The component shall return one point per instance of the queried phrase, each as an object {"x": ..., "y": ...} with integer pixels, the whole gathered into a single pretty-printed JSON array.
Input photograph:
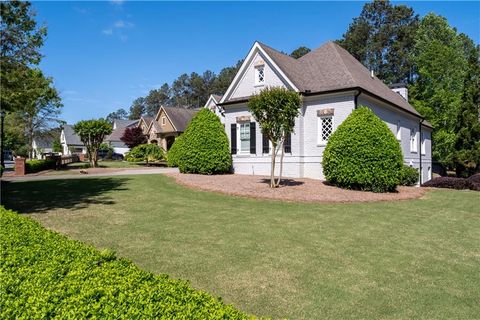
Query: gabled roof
[
  {"x": 70, "y": 137},
  {"x": 45, "y": 141},
  {"x": 217, "y": 97},
  {"x": 329, "y": 68},
  {"x": 146, "y": 119},
  {"x": 180, "y": 117},
  {"x": 120, "y": 126}
]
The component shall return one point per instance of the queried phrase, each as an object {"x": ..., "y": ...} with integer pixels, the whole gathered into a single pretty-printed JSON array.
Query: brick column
[{"x": 20, "y": 169}]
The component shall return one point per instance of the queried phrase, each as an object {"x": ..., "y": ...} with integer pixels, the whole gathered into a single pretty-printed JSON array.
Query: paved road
[{"x": 80, "y": 176}]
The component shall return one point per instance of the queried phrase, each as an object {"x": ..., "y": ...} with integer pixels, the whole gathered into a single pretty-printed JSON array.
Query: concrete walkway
[{"x": 125, "y": 172}]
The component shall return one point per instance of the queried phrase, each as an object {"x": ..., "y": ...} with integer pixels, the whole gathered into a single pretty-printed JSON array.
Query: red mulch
[{"x": 295, "y": 190}]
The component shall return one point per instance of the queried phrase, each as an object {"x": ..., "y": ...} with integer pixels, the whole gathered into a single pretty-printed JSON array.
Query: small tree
[
  {"x": 57, "y": 146},
  {"x": 133, "y": 137},
  {"x": 92, "y": 133},
  {"x": 275, "y": 109}
]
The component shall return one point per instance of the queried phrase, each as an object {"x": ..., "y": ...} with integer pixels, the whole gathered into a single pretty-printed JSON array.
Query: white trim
[
  {"x": 256, "y": 47},
  {"x": 320, "y": 141},
  {"x": 414, "y": 140},
  {"x": 399, "y": 131},
  {"x": 423, "y": 147},
  {"x": 239, "y": 140}
]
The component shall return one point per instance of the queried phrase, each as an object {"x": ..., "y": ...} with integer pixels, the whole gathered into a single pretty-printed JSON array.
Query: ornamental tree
[
  {"x": 92, "y": 133},
  {"x": 133, "y": 137},
  {"x": 275, "y": 109}
]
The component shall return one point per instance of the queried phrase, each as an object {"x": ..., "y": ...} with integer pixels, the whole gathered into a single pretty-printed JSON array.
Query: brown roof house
[
  {"x": 114, "y": 139},
  {"x": 168, "y": 124},
  {"x": 333, "y": 83}
]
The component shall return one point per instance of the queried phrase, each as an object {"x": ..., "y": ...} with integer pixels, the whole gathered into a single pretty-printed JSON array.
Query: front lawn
[{"x": 396, "y": 260}]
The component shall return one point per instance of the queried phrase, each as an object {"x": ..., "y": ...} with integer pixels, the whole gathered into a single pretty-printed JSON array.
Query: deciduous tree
[
  {"x": 133, "y": 137},
  {"x": 275, "y": 109},
  {"x": 92, "y": 133}
]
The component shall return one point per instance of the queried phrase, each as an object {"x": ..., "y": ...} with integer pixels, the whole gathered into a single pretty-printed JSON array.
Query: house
[
  {"x": 213, "y": 105},
  {"x": 332, "y": 84},
  {"x": 168, "y": 124},
  {"x": 71, "y": 142},
  {"x": 144, "y": 123},
  {"x": 42, "y": 145},
  {"x": 114, "y": 140}
]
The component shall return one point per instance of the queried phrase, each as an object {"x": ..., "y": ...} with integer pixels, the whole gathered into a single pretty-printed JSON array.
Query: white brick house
[{"x": 332, "y": 84}]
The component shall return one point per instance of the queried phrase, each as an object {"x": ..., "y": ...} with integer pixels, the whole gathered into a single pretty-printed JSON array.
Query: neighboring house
[
  {"x": 71, "y": 142},
  {"x": 212, "y": 104},
  {"x": 168, "y": 124},
  {"x": 332, "y": 84},
  {"x": 144, "y": 123},
  {"x": 114, "y": 140},
  {"x": 42, "y": 145}
]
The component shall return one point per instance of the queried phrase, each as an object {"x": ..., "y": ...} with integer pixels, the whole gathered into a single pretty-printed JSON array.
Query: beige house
[{"x": 168, "y": 124}]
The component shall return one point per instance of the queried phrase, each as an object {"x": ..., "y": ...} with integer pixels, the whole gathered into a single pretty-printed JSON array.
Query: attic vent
[{"x": 259, "y": 63}]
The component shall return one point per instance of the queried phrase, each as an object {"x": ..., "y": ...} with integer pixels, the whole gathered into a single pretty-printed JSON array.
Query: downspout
[
  {"x": 420, "y": 149},
  {"x": 355, "y": 99}
]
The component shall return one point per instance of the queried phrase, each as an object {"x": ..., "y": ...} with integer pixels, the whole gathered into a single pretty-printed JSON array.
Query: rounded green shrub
[
  {"x": 363, "y": 154},
  {"x": 409, "y": 176},
  {"x": 204, "y": 147},
  {"x": 174, "y": 153}
]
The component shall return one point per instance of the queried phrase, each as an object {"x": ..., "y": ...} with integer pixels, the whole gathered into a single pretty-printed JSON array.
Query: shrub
[
  {"x": 205, "y": 148},
  {"x": 174, "y": 153},
  {"x": 409, "y": 176},
  {"x": 35, "y": 165},
  {"x": 451, "y": 183},
  {"x": 363, "y": 154},
  {"x": 145, "y": 152},
  {"x": 475, "y": 178},
  {"x": 45, "y": 275}
]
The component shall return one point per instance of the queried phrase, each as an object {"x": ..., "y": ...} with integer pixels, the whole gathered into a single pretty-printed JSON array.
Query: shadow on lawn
[{"x": 74, "y": 194}]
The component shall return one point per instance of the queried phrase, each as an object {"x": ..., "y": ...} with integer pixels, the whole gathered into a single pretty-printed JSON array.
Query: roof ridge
[
  {"x": 334, "y": 45},
  {"x": 276, "y": 51}
]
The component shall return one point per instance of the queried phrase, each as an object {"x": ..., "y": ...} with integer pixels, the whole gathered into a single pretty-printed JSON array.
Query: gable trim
[{"x": 256, "y": 46}]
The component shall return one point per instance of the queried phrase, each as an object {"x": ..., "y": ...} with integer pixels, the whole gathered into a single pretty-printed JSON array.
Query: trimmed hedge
[
  {"x": 363, "y": 154},
  {"x": 35, "y": 165},
  {"x": 204, "y": 147},
  {"x": 452, "y": 183},
  {"x": 409, "y": 176},
  {"x": 46, "y": 275}
]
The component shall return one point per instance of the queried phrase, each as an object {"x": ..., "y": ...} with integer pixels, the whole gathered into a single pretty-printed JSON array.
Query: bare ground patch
[{"x": 294, "y": 190}]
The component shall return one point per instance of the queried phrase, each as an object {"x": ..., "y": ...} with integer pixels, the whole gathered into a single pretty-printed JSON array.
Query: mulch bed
[{"x": 292, "y": 190}]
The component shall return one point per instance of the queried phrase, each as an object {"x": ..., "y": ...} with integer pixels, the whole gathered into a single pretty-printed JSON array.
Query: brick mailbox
[{"x": 20, "y": 168}]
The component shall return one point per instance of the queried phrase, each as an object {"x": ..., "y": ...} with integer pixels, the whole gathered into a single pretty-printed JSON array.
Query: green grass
[
  {"x": 72, "y": 167},
  {"x": 391, "y": 260}
]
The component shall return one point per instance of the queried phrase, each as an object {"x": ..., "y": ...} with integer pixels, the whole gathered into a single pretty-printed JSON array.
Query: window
[
  {"x": 259, "y": 75},
  {"x": 164, "y": 121},
  {"x": 245, "y": 137},
  {"x": 422, "y": 139},
  {"x": 399, "y": 131},
  {"x": 325, "y": 128},
  {"x": 429, "y": 177},
  {"x": 413, "y": 140}
]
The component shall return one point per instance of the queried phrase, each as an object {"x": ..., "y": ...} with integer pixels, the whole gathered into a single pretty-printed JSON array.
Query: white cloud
[
  {"x": 108, "y": 31},
  {"x": 117, "y": 2},
  {"x": 123, "y": 24}
]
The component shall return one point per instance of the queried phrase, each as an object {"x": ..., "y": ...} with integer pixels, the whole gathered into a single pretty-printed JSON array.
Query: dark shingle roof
[
  {"x": 217, "y": 97},
  {"x": 180, "y": 117},
  {"x": 330, "y": 67},
  {"x": 147, "y": 120},
  {"x": 70, "y": 137},
  {"x": 120, "y": 126}
]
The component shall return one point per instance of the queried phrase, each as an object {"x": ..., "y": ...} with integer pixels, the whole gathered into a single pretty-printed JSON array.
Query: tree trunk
[
  {"x": 272, "y": 172},
  {"x": 281, "y": 163}
]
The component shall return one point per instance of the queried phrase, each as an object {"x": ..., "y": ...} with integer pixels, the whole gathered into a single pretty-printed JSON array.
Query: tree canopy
[{"x": 92, "y": 133}]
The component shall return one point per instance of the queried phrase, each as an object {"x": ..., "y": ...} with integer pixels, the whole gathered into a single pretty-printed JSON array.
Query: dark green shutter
[
  {"x": 265, "y": 144},
  {"x": 233, "y": 137},
  {"x": 253, "y": 140},
  {"x": 288, "y": 143}
]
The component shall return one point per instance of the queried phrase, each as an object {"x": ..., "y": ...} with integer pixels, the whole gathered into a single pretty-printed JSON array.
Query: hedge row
[
  {"x": 454, "y": 183},
  {"x": 46, "y": 275},
  {"x": 34, "y": 165}
]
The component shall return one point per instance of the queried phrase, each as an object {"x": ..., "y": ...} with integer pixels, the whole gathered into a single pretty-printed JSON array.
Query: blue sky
[{"x": 102, "y": 55}]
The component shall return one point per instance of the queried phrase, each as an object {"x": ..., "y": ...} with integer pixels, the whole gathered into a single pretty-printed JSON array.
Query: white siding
[{"x": 246, "y": 86}]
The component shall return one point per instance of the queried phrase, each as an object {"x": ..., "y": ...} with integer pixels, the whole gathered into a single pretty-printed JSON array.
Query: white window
[
  {"x": 413, "y": 140},
  {"x": 399, "y": 131},
  {"x": 259, "y": 75},
  {"x": 325, "y": 128},
  {"x": 164, "y": 121},
  {"x": 422, "y": 139},
  {"x": 245, "y": 137},
  {"x": 429, "y": 177}
]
